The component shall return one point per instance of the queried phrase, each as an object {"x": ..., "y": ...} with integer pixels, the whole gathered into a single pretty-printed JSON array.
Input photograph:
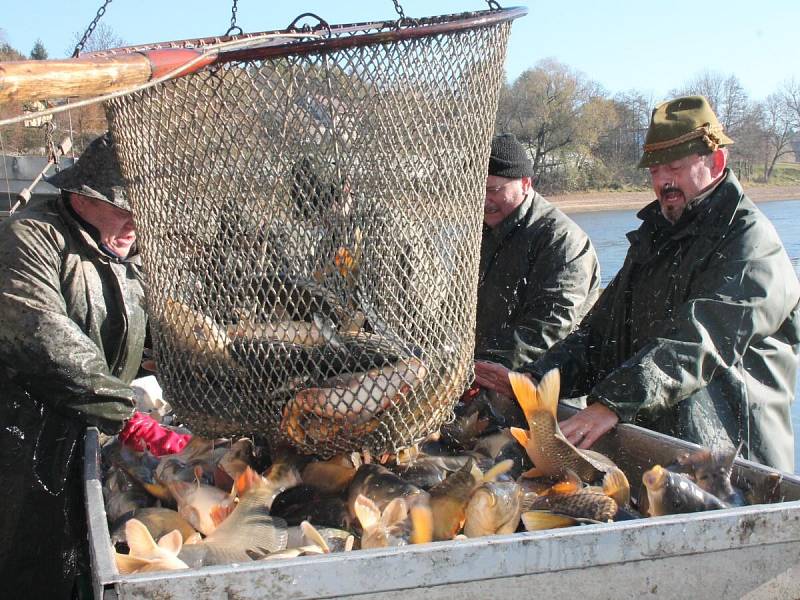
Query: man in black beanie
[{"x": 538, "y": 274}]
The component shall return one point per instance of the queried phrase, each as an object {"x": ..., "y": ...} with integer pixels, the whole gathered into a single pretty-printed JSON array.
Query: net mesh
[{"x": 310, "y": 228}]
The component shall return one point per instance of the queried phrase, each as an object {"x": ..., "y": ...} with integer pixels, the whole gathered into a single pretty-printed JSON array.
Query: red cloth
[{"x": 143, "y": 432}]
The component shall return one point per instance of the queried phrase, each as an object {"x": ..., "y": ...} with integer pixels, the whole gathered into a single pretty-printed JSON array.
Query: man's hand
[
  {"x": 493, "y": 376},
  {"x": 589, "y": 425}
]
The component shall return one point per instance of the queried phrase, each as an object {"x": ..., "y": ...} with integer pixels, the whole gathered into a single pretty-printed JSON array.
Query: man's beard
[{"x": 672, "y": 212}]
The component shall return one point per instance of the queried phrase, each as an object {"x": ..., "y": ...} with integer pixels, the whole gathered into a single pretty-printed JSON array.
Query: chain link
[
  {"x": 493, "y": 5},
  {"x": 399, "y": 10},
  {"x": 90, "y": 30},
  {"x": 234, "y": 26}
]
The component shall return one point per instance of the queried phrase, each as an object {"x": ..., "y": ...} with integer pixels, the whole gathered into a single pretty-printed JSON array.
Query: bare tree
[
  {"x": 102, "y": 38},
  {"x": 790, "y": 91},
  {"x": 776, "y": 124},
  {"x": 725, "y": 94}
]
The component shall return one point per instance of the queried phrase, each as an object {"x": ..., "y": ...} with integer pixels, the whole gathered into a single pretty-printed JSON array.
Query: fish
[
  {"x": 552, "y": 454},
  {"x": 204, "y": 506},
  {"x": 196, "y": 334},
  {"x": 425, "y": 471},
  {"x": 382, "y": 528},
  {"x": 494, "y": 508},
  {"x": 538, "y": 520},
  {"x": 300, "y": 333},
  {"x": 395, "y": 525},
  {"x": 305, "y": 503},
  {"x": 145, "y": 554},
  {"x": 194, "y": 463},
  {"x": 330, "y": 477},
  {"x": 449, "y": 499},
  {"x": 380, "y": 485},
  {"x": 312, "y": 542},
  {"x": 248, "y": 526},
  {"x": 140, "y": 467},
  {"x": 671, "y": 493},
  {"x": 349, "y": 403},
  {"x": 570, "y": 499},
  {"x": 159, "y": 522},
  {"x": 122, "y": 495},
  {"x": 279, "y": 477},
  {"x": 711, "y": 470}
]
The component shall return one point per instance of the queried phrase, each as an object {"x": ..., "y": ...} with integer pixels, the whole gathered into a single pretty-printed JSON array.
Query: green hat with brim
[
  {"x": 95, "y": 174},
  {"x": 680, "y": 128}
]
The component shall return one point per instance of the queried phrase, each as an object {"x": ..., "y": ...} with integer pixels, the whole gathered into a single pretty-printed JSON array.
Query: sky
[{"x": 623, "y": 45}]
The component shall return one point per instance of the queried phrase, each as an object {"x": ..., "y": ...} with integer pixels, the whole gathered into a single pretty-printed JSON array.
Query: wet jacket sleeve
[
  {"x": 744, "y": 295},
  {"x": 47, "y": 352},
  {"x": 572, "y": 356},
  {"x": 562, "y": 276}
]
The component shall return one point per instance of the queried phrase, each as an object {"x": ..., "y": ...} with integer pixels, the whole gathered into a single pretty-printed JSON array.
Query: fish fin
[
  {"x": 349, "y": 543},
  {"x": 616, "y": 486},
  {"x": 525, "y": 392},
  {"x": 421, "y": 524},
  {"x": 314, "y": 537},
  {"x": 127, "y": 564},
  {"x": 195, "y": 538},
  {"x": 504, "y": 466},
  {"x": 537, "y": 520},
  {"x": 521, "y": 435},
  {"x": 171, "y": 542},
  {"x": 565, "y": 488},
  {"x": 140, "y": 541},
  {"x": 395, "y": 511},
  {"x": 246, "y": 480},
  {"x": 367, "y": 512},
  {"x": 220, "y": 512},
  {"x": 548, "y": 390},
  {"x": 533, "y": 473}
]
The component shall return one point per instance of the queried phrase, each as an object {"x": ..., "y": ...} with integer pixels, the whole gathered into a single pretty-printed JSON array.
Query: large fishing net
[{"x": 310, "y": 219}]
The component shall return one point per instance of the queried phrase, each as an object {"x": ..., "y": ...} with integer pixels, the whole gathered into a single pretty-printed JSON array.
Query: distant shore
[{"x": 602, "y": 201}]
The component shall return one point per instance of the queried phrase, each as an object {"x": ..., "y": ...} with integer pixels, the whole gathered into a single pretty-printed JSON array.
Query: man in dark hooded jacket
[
  {"x": 538, "y": 273},
  {"x": 697, "y": 336},
  {"x": 72, "y": 329}
]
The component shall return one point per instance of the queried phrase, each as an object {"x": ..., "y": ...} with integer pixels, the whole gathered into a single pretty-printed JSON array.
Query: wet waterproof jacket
[
  {"x": 697, "y": 336},
  {"x": 72, "y": 327},
  {"x": 538, "y": 277}
]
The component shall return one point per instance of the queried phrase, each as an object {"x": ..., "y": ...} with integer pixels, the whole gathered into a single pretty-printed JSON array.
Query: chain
[
  {"x": 234, "y": 26},
  {"x": 90, "y": 30},
  {"x": 399, "y": 10},
  {"x": 50, "y": 145}
]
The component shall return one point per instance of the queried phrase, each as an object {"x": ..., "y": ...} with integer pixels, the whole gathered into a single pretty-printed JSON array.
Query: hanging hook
[
  {"x": 90, "y": 30},
  {"x": 493, "y": 5},
  {"x": 234, "y": 26},
  {"x": 322, "y": 24}
]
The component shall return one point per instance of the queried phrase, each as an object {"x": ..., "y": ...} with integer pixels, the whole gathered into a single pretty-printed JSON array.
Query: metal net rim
[{"x": 340, "y": 36}]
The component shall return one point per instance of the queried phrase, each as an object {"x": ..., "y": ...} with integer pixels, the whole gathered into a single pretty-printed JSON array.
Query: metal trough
[{"x": 749, "y": 552}]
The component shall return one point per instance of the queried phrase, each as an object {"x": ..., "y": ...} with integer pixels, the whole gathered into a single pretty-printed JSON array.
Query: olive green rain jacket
[
  {"x": 72, "y": 327},
  {"x": 697, "y": 336},
  {"x": 538, "y": 277}
]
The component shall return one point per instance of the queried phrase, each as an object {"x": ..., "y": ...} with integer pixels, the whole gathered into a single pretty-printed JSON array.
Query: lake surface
[{"x": 607, "y": 231}]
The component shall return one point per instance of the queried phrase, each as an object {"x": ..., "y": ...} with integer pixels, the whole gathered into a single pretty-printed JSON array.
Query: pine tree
[{"x": 39, "y": 52}]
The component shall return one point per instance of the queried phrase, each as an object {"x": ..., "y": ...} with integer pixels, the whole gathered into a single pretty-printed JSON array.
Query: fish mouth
[{"x": 654, "y": 478}]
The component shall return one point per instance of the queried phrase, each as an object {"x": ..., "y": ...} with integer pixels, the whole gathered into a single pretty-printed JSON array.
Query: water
[{"x": 607, "y": 231}]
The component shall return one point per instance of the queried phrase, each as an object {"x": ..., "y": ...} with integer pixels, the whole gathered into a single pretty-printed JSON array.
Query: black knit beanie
[{"x": 509, "y": 158}]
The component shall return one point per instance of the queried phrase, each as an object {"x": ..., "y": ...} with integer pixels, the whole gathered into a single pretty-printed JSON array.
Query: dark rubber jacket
[
  {"x": 697, "y": 335},
  {"x": 538, "y": 277},
  {"x": 72, "y": 328}
]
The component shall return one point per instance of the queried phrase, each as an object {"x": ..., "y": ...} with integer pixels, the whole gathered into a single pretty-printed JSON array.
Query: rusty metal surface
[{"x": 751, "y": 551}]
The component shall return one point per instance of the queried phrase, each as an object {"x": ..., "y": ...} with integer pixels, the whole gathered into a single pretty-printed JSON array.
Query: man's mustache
[{"x": 668, "y": 189}]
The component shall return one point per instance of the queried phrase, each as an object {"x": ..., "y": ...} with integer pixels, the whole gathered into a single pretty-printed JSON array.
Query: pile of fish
[{"x": 500, "y": 467}]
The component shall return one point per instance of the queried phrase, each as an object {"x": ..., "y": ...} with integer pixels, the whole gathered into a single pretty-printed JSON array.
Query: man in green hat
[
  {"x": 72, "y": 329},
  {"x": 539, "y": 273},
  {"x": 697, "y": 336}
]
